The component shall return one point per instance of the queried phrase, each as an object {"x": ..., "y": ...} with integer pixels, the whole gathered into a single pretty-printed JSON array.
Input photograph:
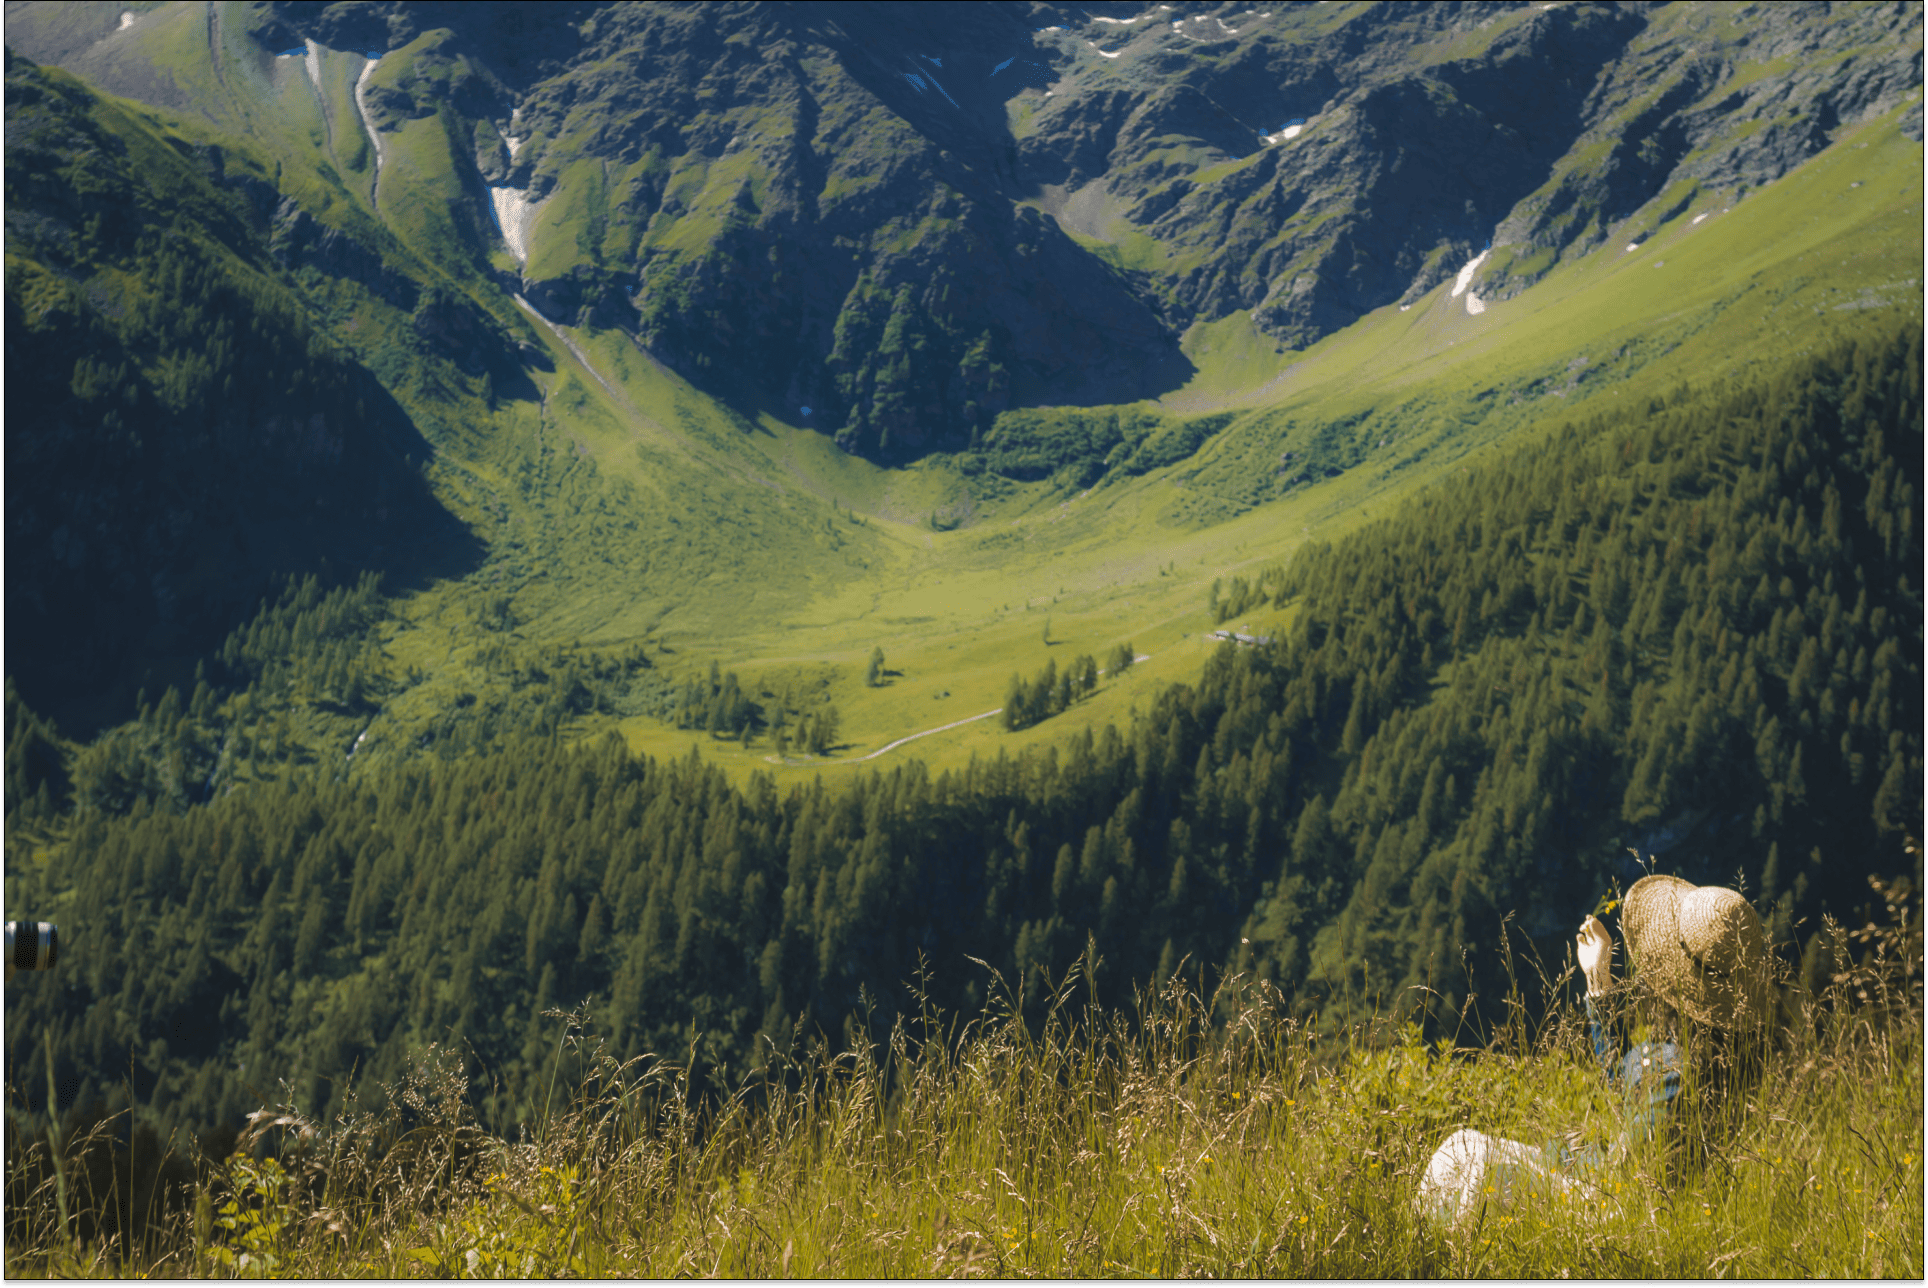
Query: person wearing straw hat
[
  {"x": 1702, "y": 985},
  {"x": 1703, "y": 981}
]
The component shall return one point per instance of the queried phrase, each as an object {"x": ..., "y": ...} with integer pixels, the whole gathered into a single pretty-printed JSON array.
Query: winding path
[
  {"x": 913, "y": 737},
  {"x": 892, "y": 746}
]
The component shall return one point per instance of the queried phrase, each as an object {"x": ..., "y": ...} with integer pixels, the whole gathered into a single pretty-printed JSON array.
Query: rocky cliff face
[
  {"x": 907, "y": 219},
  {"x": 1314, "y": 162},
  {"x": 814, "y": 206}
]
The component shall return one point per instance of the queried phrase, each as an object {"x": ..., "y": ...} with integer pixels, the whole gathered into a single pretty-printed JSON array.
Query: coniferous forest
[{"x": 1690, "y": 628}]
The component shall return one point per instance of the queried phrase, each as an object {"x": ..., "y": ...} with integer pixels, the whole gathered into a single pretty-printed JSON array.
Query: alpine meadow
[{"x": 997, "y": 639}]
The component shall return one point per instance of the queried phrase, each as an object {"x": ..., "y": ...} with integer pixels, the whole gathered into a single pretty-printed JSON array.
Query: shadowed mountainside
[
  {"x": 180, "y": 436},
  {"x": 909, "y": 220}
]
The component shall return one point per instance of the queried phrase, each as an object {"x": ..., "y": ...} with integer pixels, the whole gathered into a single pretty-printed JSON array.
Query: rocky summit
[{"x": 892, "y": 222}]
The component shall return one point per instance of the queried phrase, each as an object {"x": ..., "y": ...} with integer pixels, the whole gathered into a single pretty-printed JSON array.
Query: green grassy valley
[
  {"x": 1131, "y": 558},
  {"x": 650, "y": 605}
]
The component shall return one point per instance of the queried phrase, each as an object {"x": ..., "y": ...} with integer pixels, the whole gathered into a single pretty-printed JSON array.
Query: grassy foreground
[{"x": 1190, "y": 1137}]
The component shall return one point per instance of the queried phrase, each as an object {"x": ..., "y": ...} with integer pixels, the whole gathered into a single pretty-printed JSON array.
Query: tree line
[
  {"x": 1691, "y": 629},
  {"x": 1049, "y": 692}
]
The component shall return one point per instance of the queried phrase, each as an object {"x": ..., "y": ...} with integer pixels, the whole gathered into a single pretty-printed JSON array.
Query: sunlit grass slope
[
  {"x": 1393, "y": 404},
  {"x": 1181, "y": 1137}
]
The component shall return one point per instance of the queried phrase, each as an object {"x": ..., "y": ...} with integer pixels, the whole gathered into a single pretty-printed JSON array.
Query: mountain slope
[
  {"x": 1692, "y": 630},
  {"x": 181, "y": 431},
  {"x": 616, "y": 501},
  {"x": 811, "y": 208}
]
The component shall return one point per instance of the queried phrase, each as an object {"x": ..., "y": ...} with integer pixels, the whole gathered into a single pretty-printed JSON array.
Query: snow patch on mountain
[
  {"x": 515, "y": 217},
  {"x": 939, "y": 87},
  {"x": 361, "y": 108},
  {"x": 1466, "y": 276}
]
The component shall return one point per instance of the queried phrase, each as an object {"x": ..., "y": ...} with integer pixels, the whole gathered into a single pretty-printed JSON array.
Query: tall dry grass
[{"x": 1182, "y": 1136}]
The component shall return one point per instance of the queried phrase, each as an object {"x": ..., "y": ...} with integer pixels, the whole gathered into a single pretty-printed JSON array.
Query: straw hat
[{"x": 1701, "y": 948}]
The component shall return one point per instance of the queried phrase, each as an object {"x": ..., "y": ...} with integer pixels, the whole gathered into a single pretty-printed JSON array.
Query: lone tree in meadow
[{"x": 874, "y": 673}]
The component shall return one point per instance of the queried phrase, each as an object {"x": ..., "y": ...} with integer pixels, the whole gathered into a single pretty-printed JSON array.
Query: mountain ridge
[{"x": 779, "y": 205}]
